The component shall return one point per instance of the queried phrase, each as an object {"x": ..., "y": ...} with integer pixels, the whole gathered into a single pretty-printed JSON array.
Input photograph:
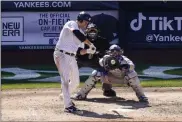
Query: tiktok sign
[
  {"x": 162, "y": 22},
  {"x": 154, "y": 27}
]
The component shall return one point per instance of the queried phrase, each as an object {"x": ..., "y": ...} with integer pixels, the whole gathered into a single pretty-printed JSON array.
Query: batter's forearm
[
  {"x": 81, "y": 37},
  {"x": 83, "y": 52},
  {"x": 87, "y": 42}
]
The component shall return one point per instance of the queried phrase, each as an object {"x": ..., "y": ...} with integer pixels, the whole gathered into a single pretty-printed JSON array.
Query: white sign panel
[{"x": 38, "y": 28}]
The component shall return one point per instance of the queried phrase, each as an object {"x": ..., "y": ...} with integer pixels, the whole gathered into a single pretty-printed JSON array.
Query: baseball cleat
[
  {"x": 109, "y": 93},
  {"x": 73, "y": 104},
  {"x": 73, "y": 109},
  {"x": 143, "y": 99},
  {"x": 79, "y": 97}
]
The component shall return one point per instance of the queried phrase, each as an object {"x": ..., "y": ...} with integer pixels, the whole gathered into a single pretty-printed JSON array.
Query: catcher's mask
[
  {"x": 110, "y": 63},
  {"x": 92, "y": 32},
  {"x": 115, "y": 50}
]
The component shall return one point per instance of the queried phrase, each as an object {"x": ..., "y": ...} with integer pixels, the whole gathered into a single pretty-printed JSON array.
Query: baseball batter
[
  {"x": 70, "y": 38},
  {"x": 115, "y": 68}
]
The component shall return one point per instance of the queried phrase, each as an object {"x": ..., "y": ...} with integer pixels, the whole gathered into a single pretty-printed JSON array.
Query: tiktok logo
[
  {"x": 137, "y": 21},
  {"x": 160, "y": 23}
]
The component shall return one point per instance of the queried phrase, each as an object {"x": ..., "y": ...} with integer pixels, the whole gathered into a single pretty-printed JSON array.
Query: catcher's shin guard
[
  {"x": 134, "y": 82},
  {"x": 88, "y": 86}
]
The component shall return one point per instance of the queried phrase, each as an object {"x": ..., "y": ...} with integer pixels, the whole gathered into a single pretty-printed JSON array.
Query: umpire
[{"x": 92, "y": 60}]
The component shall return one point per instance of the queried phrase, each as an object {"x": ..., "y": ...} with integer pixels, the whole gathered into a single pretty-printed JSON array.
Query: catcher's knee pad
[
  {"x": 96, "y": 74},
  {"x": 132, "y": 78}
]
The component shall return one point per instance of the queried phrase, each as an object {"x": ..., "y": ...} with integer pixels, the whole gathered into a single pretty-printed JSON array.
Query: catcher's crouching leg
[
  {"x": 107, "y": 90},
  {"x": 88, "y": 86},
  {"x": 134, "y": 82}
]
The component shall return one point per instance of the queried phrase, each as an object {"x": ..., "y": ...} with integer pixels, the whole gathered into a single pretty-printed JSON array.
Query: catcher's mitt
[{"x": 110, "y": 63}]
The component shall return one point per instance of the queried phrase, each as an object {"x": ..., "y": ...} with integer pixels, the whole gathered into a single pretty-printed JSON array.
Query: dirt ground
[{"x": 45, "y": 105}]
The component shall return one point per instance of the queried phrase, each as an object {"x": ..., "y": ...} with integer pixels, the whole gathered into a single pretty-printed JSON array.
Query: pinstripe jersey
[{"x": 67, "y": 40}]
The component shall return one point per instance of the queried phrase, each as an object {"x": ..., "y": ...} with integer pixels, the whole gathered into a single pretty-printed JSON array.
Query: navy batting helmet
[{"x": 84, "y": 16}]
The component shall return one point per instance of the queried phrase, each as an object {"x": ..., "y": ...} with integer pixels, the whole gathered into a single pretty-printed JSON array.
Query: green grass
[
  {"x": 150, "y": 83},
  {"x": 174, "y": 72},
  {"x": 25, "y": 84},
  {"x": 29, "y": 86},
  {"x": 34, "y": 85},
  {"x": 3, "y": 81},
  {"x": 162, "y": 83}
]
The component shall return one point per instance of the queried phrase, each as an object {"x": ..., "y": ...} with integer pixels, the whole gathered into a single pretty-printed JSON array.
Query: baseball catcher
[
  {"x": 92, "y": 60},
  {"x": 115, "y": 68}
]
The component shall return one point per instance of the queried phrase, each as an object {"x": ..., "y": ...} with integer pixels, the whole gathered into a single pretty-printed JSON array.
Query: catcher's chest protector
[{"x": 117, "y": 73}]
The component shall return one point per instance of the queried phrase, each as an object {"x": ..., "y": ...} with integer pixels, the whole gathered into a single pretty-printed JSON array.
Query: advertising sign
[
  {"x": 155, "y": 28},
  {"x": 12, "y": 29},
  {"x": 58, "y": 5},
  {"x": 40, "y": 30}
]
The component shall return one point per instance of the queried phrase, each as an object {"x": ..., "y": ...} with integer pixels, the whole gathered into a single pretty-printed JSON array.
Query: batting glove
[
  {"x": 92, "y": 47},
  {"x": 90, "y": 51}
]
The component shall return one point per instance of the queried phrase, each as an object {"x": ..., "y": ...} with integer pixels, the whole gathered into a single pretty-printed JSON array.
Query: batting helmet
[{"x": 84, "y": 16}]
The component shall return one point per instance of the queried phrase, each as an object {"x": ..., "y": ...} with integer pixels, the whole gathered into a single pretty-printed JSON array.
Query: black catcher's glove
[{"x": 110, "y": 63}]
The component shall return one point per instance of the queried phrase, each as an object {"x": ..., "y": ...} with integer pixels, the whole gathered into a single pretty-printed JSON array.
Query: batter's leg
[
  {"x": 75, "y": 77},
  {"x": 62, "y": 62}
]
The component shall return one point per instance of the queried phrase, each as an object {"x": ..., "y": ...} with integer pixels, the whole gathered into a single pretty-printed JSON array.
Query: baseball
[{"x": 113, "y": 61}]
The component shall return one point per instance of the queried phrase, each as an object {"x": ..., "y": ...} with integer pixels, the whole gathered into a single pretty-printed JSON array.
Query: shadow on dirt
[
  {"x": 120, "y": 101},
  {"x": 106, "y": 116}
]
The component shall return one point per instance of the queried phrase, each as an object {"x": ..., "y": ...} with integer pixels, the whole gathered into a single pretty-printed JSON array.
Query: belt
[{"x": 71, "y": 54}]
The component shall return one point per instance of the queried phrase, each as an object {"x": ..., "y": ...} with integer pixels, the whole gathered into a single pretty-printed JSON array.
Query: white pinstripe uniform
[{"x": 66, "y": 64}]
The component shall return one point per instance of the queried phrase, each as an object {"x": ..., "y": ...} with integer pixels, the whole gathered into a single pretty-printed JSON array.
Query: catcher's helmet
[
  {"x": 115, "y": 50},
  {"x": 91, "y": 25},
  {"x": 84, "y": 16},
  {"x": 92, "y": 32},
  {"x": 114, "y": 47}
]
